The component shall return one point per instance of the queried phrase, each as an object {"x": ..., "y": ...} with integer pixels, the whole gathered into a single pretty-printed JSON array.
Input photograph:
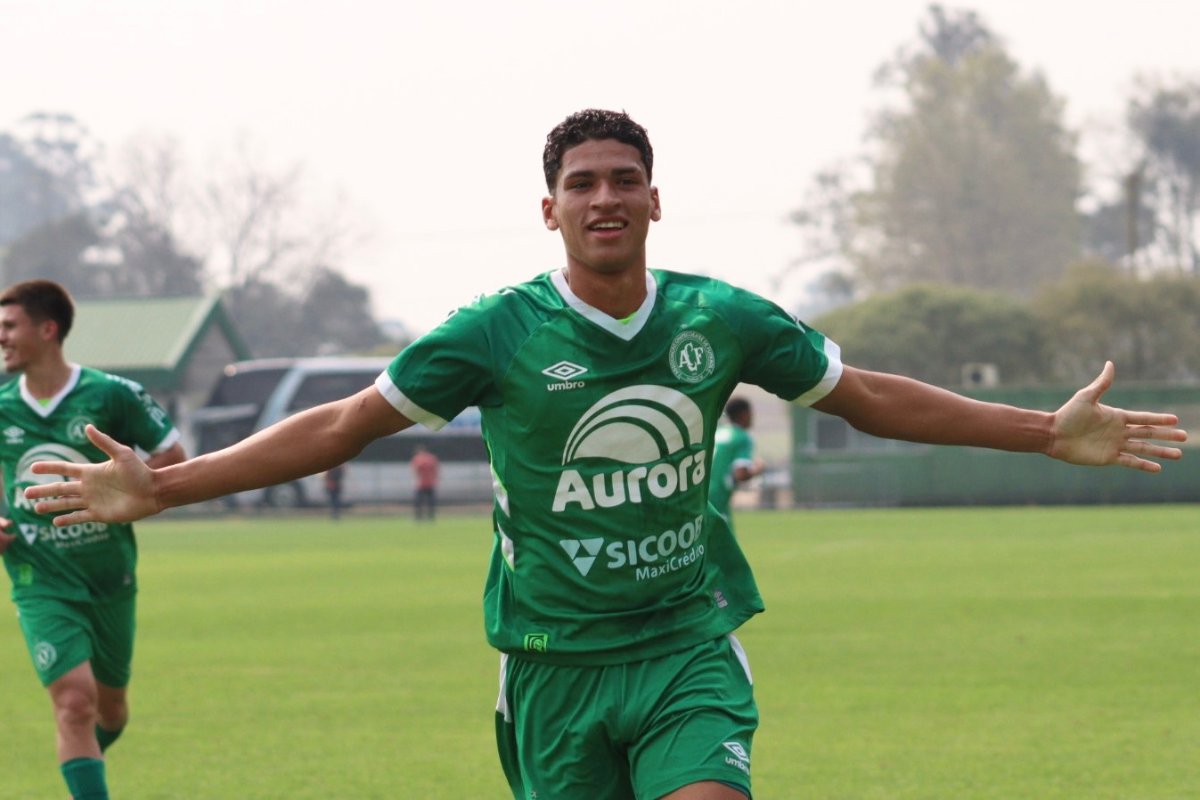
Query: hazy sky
[{"x": 430, "y": 116}]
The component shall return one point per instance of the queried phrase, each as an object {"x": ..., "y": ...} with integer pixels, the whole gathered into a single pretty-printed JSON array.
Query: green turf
[{"x": 1014, "y": 653}]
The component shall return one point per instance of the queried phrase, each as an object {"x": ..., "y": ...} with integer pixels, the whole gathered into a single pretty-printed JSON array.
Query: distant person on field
[
  {"x": 74, "y": 587},
  {"x": 614, "y": 590},
  {"x": 733, "y": 461},
  {"x": 425, "y": 467},
  {"x": 334, "y": 478}
]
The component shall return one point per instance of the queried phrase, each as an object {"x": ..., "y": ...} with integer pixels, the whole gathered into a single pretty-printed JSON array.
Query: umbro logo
[
  {"x": 565, "y": 372},
  {"x": 14, "y": 435},
  {"x": 739, "y": 758},
  {"x": 738, "y": 751},
  {"x": 582, "y": 552}
]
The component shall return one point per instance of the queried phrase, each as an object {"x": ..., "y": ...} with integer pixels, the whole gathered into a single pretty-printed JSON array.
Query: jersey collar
[
  {"x": 622, "y": 330},
  {"x": 46, "y": 410}
]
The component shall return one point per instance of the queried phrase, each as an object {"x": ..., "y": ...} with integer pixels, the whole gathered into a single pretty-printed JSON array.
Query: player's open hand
[
  {"x": 120, "y": 490},
  {"x": 1087, "y": 432}
]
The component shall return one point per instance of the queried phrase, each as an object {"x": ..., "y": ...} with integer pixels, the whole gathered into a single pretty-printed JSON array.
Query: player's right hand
[{"x": 118, "y": 490}]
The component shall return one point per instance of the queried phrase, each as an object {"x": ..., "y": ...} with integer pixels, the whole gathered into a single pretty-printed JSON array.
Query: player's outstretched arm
[
  {"x": 1085, "y": 431},
  {"x": 126, "y": 489}
]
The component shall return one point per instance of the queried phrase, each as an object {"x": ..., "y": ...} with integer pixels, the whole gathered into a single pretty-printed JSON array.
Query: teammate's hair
[
  {"x": 736, "y": 407},
  {"x": 593, "y": 124},
  {"x": 42, "y": 300}
]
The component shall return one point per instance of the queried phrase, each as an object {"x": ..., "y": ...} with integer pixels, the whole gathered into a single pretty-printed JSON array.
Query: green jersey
[
  {"x": 734, "y": 447},
  {"x": 600, "y": 436},
  {"x": 92, "y": 560}
]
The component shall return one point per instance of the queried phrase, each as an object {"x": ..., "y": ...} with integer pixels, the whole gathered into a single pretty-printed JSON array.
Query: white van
[{"x": 252, "y": 395}]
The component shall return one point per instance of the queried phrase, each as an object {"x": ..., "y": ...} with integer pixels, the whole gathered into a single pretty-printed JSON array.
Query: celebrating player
[
  {"x": 614, "y": 589},
  {"x": 74, "y": 586},
  {"x": 733, "y": 461}
]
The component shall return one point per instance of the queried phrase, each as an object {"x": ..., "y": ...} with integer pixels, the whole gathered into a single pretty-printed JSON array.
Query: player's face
[
  {"x": 21, "y": 339},
  {"x": 603, "y": 205}
]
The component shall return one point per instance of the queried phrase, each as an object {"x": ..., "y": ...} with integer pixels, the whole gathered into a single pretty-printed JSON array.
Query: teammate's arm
[
  {"x": 6, "y": 538},
  {"x": 125, "y": 488},
  {"x": 172, "y": 455},
  {"x": 1083, "y": 431}
]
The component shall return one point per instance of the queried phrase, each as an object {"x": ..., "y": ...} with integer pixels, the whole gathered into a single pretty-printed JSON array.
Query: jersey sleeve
[
  {"x": 448, "y": 369},
  {"x": 143, "y": 422},
  {"x": 782, "y": 354}
]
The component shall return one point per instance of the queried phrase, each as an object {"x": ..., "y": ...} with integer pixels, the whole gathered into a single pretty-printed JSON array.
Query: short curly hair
[
  {"x": 593, "y": 124},
  {"x": 42, "y": 300}
]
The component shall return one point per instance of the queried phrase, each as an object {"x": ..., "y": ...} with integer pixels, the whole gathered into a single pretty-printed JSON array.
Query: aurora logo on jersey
[
  {"x": 46, "y": 452},
  {"x": 646, "y": 426},
  {"x": 26, "y": 476}
]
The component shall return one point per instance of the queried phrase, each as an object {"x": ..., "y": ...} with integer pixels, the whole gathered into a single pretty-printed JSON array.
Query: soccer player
[
  {"x": 74, "y": 586},
  {"x": 614, "y": 590},
  {"x": 733, "y": 461}
]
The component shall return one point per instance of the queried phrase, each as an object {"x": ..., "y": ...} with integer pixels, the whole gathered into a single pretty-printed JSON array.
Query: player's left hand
[{"x": 1087, "y": 432}]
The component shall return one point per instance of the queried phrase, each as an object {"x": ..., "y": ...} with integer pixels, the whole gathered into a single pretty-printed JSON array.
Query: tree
[
  {"x": 336, "y": 316},
  {"x": 46, "y": 173},
  {"x": 932, "y": 331},
  {"x": 1165, "y": 118},
  {"x": 1146, "y": 325},
  {"x": 59, "y": 251},
  {"x": 269, "y": 318},
  {"x": 973, "y": 181},
  {"x": 151, "y": 210}
]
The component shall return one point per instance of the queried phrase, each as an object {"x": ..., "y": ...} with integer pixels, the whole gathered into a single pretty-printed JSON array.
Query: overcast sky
[{"x": 429, "y": 117}]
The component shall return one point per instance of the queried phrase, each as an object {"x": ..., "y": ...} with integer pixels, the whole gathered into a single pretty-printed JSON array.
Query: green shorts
[
  {"x": 61, "y": 635},
  {"x": 633, "y": 731}
]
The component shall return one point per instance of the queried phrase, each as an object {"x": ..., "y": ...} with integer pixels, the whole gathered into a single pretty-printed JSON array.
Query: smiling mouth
[{"x": 608, "y": 226}]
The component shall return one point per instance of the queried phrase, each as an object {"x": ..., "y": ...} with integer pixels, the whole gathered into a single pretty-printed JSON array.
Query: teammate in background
[
  {"x": 733, "y": 461},
  {"x": 334, "y": 478},
  {"x": 614, "y": 591},
  {"x": 74, "y": 587},
  {"x": 425, "y": 471}
]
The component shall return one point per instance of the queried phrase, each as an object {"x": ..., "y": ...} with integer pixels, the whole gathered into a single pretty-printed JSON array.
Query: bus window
[
  {"x": 326, "y": 387},
  {"x": 246, "y": 386}
]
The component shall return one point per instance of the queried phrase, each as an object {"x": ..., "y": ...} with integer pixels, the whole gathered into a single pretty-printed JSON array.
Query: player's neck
[
  {"x": 47, "y": 376},
  {"x": 617, "y": 294}
]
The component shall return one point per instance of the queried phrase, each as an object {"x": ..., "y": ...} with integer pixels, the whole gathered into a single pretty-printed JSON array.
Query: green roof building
[{"x": 176, "y": 347}]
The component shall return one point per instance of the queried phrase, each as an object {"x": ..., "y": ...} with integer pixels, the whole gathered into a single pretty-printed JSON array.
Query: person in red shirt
[{"x": 425, "y": 470}]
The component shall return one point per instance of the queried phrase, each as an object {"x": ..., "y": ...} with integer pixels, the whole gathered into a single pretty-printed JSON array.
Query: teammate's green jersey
[
  {"x": 600, "y": 434},
  {"x": 734, "y": 447},
  {"x": 92, "y": 560}
]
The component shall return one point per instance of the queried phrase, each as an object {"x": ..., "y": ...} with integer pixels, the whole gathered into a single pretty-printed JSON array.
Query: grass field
[{"x": 939, "y": 654}]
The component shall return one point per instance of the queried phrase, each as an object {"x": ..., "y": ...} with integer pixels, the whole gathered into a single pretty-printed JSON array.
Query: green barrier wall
[{"x": 834, "y": 466}]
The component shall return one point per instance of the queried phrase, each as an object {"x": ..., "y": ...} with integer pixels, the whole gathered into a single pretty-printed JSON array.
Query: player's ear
[
  {"x": 548, "y": 213},
  {"x": 655, "y": 208}
]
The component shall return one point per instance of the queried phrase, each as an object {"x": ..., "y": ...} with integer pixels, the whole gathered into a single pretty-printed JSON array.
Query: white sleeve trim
[
  {"x": 833, "y": 373},
  {"x": 406, "y": 406},
  {"x": 168, "y": 441}
]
